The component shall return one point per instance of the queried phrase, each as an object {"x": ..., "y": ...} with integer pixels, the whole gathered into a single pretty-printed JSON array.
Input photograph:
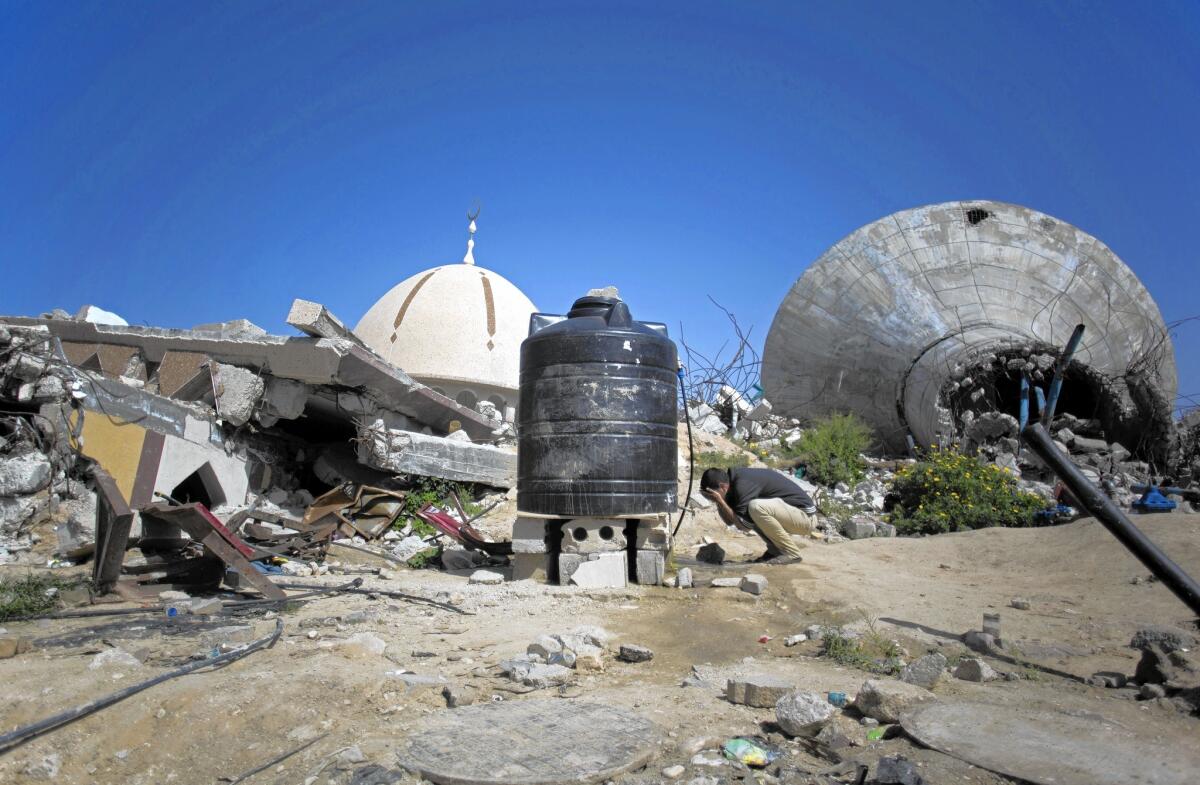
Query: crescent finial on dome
[{"x": 469, "y": 258}]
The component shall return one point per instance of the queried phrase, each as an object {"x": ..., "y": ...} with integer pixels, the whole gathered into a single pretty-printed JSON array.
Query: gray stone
[
  {"x": 1019, "y": 603},
  {"x": 887, "y": 700},
  {"x": 897, "y": 771},
  {"x": 981, "y": 642},
  {"x": 760, "y": 691},
  {"x": 649, "y": 567},
  {"x": 974, "y": 669},
  {"x": 45, "y": 767},
  {"x": 1152, "y": 691},
  {"x": 925, "y": 671},
  {"x": 859, "y": 529},
  {"x": 683, "y": 578},
  {"x": 801, "y": 713},
  {"x": 529, "y": 741},
  {"x": 568, "y": 563},
  {"x": 486, "y": 578},
  {"x": 725, "y": 583},
  {"x": 885, "y": 530},
  {"x": 457, "y": 695},
  {"x": 753, "y": 584},
  {"x": 630, "y": 652},
  {"x": 542, "y": 676},
  {"x": 458, "y": 559},
  {"x": 711, "y": 553},
  {"x": 795, "y": 640},
  {"x": 24, "y": 473},
  {"x": 545, "y": 647},
  {"x": 529, "y": 535},
  {"x": 531, "y": 567},
  {"x": 842, "y": 732},
  {"x": 1168, "y": 637}
]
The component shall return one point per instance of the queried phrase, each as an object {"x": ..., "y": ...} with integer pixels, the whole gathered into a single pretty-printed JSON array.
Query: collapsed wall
[{"x": 925, "y": 320}]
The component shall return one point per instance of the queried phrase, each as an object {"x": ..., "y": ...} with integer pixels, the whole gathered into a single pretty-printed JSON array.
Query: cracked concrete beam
[
  {"x": 406, "y": 452},
  {"x": 316, "y": 361},
  {"x": 318, "y": 321}
]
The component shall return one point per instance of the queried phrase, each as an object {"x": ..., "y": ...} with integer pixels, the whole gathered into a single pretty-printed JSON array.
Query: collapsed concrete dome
[{"x": 924, "y": 319}]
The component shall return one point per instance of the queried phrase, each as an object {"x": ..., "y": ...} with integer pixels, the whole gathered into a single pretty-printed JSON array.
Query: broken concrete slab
[
  {"x": 318, "y": 321},
  {"x": 523, "y": 743},
  {"x": 760, "y": 691},
  {"x": 801, "y": 713},
  {"x": 753, "y": 584},
  {"x": 886, "y": 700},
  {"x": 601, "y": 571},
  {"x": 408, "y": 452}
]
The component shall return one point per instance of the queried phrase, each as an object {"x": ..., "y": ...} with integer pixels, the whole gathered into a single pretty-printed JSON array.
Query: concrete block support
[
  {"x": 531, "y": 567},
  {"x": 593, "y": 535},
  {"x": 649, "y": 567},
  {"x": 530, "y": 536}
]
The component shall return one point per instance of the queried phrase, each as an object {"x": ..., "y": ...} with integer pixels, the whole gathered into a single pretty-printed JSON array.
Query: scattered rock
[
  {"x": 545, "y": 647},
  {"x": 1108, "y": 679},
  {"x": 673, "y": 772},
  {"x": 726, "y": 583},
  {"x": 981, "y": 642},
  {"x": 897, "y": 771},
  {"x": 711, "y": 554},
  {"x": 887, "y": 700},
  {"x": 1019, "y": 603},
  {"x": 760, "y": 691},
  {"x": 12, "y": 646},
  {"x": 589, "y": 658},
  {"x": 486, "y": 578},
  {"x": 24, "y": 473},
  {"x": 115, "y": 658},
  {"x": 802, "y": 713},
  {"x": 841, "y": 732},
  {"x": 1166, "y": 637},
  {"x": 794, "y": 640},
  {"x": 1152, "y": 691},
  {"x": 683, "y": 578},
  {"x": 459, "y": 696},
  {"x": 974, "y": 669},
  {"x": 753, "y": 584},
  {"x": 542, "y": 676},
  {"x": 925, "y": 671},
  {"x": 859, "y": 529},
  {"x": 632, "y": 653},
  {"x": 44, "y": 768},
  {"x": 698, "y": 744}
]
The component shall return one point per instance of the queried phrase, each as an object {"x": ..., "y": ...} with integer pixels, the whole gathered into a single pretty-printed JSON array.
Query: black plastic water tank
[{"x": 597, "y": 417}]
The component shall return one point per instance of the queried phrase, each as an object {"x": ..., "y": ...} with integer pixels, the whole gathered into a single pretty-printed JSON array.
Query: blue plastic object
[{"x": 1153, "y": 500}]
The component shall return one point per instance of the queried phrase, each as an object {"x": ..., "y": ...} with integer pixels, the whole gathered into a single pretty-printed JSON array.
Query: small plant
[
  {"x": 715, "y": 459},
  {"x": 33, "y": 594},
  {"x": 436, "y": 491},
  {"x": 873, "y": 651},
  {"x": 832, "y": 449},
  {"x": 421, "y": 559},
  {"x": 949, "y": 491},
  {"x": 836, "y": 511}
]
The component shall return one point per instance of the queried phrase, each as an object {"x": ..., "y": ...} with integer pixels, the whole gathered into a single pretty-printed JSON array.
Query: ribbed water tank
[{"x": 596, "y": 418}]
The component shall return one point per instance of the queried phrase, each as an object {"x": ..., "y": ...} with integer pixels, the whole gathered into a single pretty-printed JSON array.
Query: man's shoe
[
  {"x": 784, "y": 559},
  {"x": 766, "y": 557}
]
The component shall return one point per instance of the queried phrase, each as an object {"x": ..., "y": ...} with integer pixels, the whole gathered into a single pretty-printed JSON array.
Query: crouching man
[{"x": 764, "y": 502}]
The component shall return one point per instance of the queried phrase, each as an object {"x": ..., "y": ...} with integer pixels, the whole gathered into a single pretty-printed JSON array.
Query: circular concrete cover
[
  {"x": 533, "y": 742},
  {"x": 1053, "y": 748}
]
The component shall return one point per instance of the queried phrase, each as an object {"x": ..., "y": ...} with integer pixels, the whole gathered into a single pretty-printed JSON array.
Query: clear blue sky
[{"x": 188, "y": 162}]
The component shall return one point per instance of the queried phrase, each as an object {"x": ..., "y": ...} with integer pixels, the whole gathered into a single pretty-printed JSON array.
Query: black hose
[
  {"x": 226, "y": 605},
  {"x": 1098, "y": 504},
  {"x": 691, "y": 457},
  {"x": 23, "y": 734}
]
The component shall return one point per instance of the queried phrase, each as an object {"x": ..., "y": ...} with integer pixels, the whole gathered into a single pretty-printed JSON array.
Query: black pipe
[{"x": 1098, "y": 504}]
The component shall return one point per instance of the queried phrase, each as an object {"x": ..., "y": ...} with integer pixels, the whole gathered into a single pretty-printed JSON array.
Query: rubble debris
[
  {"x": 712, "y": 553},
  {"x": 486, "y": 578},
  {"x": 630, "y": 652},
  {"x": 1166, "y": 637},
  {"x": 683, "y": 578},
  {"x": 925, "y": 671},
  {"x": 761, "y": 691},
  {"x": 887, "y": 700},
  {"x": 897, "y": 770},
  {"x": 975, "y": 669},
  {"x": 753, "y": 584},
  {"x": 801, "y": 713}
]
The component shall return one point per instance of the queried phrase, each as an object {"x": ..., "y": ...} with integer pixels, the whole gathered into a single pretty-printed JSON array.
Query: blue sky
[{"x": 191, "y": 162}]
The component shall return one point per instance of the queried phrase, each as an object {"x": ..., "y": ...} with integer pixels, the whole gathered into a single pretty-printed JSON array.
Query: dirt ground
[{"x": 925, "y": 592}]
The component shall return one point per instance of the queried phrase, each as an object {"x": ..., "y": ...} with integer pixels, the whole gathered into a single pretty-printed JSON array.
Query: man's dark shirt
[{"x": 746, "y": 485}]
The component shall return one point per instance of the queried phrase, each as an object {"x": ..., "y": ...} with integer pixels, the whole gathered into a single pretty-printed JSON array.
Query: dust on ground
[{"x": 1087, "y": 596}]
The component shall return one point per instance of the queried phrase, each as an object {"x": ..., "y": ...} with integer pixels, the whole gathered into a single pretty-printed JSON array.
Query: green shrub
[
  {"x": 715, "y": 459},
  {"x": 32, "y": 594},
  {"x": 831, "y": 449},
  {"x": 873, "y": 651},
  {"x": 433, "y": 490},
  {"x": 950, "y": 491}
]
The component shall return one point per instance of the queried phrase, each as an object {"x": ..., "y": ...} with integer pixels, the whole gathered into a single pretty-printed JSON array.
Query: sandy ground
[{"x": 924, "y": 592}]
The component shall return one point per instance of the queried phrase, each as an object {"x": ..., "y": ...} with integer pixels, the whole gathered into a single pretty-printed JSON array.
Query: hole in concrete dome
[
  {"x": 977, "y": 214},
  {"x": 606, "y": 532},
  {"x": 579, "y": 533}
]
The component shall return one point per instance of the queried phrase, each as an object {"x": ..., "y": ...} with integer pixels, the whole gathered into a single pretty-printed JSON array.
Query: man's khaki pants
[{"x": 776, "y": 522}]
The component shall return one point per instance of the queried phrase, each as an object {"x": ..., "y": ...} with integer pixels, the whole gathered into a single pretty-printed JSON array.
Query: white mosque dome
[{"x": 457, "y": 324}]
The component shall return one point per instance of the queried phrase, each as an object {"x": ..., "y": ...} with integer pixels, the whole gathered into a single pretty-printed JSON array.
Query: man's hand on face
[{"x": 714, "y": 494}]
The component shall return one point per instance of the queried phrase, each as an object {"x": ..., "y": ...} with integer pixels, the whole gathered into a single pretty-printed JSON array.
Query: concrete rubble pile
[{"x": 260, "y": 429}]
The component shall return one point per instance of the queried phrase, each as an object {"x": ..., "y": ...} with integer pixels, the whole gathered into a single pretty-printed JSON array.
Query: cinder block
[
  {"x": 593, "y": 535},
  {"x": 601, "y": 571},
  {"x": 568, "y": 563},
  {"x": 649, "y": 567},
  {"x": 531, "y": 567},
  {"x": 529, "y": 535},
  {"x": 652, "y": 535}
]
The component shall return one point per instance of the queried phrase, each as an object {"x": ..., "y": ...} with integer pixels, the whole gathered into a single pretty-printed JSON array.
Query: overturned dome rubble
[{"x": 926, "y": 319}]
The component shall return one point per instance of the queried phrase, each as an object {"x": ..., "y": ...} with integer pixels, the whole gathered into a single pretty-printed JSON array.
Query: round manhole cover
[{"x": 533, "y": 742}]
